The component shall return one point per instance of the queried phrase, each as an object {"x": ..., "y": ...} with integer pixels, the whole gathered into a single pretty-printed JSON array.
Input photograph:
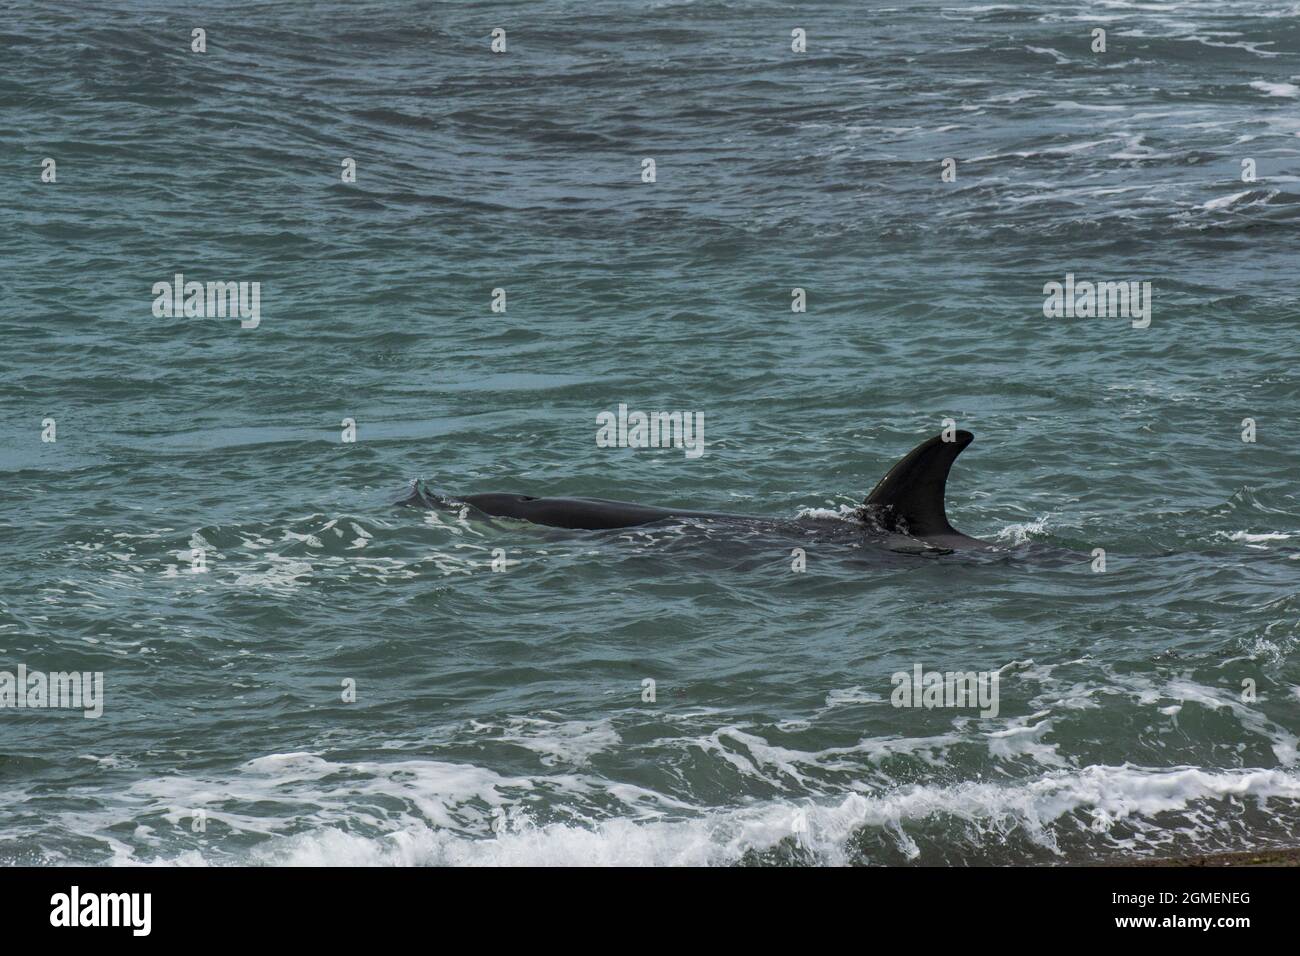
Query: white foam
[
  {"x": 1224, "y": 201},
  {"x": 1021, "y": 738},
  {"x": 839, "y": 513},
  {"x": 852, "y": 695},
  {"x": 302, "y": 808},
  {"x": 1288, "y": 90},
  {"x": 1057, "y": 55},
  {"x": 1026, "y": 531},
  {"x": 1096, "y": 797},
  {"x": 282, "y": 576},
  {"x": 1253, "y": 538},
  {"x": 565, "y": 741}
]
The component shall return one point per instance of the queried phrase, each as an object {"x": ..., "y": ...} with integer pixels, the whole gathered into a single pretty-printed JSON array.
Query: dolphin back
[
  {"x": 589, "y": 514},
  {"x": 906, "y": 507}
]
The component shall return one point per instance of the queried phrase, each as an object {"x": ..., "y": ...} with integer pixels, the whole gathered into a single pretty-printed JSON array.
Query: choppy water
[{"x": 499, "y": 716}]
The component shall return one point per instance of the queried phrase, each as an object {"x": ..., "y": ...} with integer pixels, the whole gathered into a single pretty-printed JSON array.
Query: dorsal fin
[{"x": 909, "y": 499}]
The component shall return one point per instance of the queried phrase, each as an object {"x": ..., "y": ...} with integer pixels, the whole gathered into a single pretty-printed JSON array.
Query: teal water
[{"x": 499, "y": 716}]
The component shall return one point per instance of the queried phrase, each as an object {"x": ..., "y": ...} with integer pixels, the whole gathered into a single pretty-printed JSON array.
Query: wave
[{"x": 1125, "y": 809}]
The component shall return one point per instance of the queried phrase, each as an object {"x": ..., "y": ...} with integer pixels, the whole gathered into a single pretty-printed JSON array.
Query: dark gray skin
[{"x": 904, "y": 513}]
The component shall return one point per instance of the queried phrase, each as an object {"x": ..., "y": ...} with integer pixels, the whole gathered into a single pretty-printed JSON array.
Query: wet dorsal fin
[{"x": 909, "y": 499}]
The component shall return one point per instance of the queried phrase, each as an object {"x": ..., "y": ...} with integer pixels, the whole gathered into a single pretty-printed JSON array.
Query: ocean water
[{"x": 502, "y": 716}]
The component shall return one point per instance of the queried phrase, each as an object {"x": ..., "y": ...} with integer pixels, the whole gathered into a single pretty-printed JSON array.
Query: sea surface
[{"x": 351, "y": 682}]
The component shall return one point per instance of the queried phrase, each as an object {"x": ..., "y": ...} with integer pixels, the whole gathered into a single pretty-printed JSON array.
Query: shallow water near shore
[{"x": 500, "y": 717}]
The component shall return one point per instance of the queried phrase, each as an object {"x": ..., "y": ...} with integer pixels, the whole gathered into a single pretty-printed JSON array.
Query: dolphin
[{"x": 904, "y": 512}]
